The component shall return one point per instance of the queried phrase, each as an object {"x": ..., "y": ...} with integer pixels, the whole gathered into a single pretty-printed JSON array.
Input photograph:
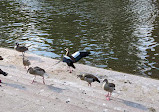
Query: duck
[
  {"x": 26, "y": 62},
  {"x": 1, "y": 58},
  {"x": 3, "y": 73},
  {"x": 75, "y": 57},
  {"x": 20, "y": 48},
  {"x": 109, "y": 87},
  {"x": 37, "y": 71},
  {"x": 88, "y": 78}
]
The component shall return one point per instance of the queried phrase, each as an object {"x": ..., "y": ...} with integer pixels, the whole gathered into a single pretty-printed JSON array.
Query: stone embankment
[{"x": 64, "y": 92}]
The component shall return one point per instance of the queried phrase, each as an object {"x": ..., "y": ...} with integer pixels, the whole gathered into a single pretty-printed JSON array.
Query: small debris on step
[
  {"x": 128, "y": 82},
  {"x": 151, "y": 109},
  {"x": 84, "y": 92},
  {"x": 68, "y": 100}
]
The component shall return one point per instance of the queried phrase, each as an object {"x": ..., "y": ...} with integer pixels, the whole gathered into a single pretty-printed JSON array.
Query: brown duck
[
  {"x": 88, "y": 78},
  {"x": 20, "y": 48},
  {"x": 37, "y": 71},
  {"x": 26, "y": 62},
  {"x": 110, "y": 87}
]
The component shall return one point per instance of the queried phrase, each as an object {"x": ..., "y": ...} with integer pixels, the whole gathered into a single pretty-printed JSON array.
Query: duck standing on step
[
  {"x": 110, "y": 87},
  {"x": 37, "y": 71},
  {"x": 75, "y": 57},
  {"x": 26, "y": 62},
  {"x": 88, "y": 78},
  {"x": 20, "y": 48},
  {"x": 3, "y": 73}
]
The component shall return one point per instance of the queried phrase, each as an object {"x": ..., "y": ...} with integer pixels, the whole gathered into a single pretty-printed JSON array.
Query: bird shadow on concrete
[
  {"x": 134, "y": 105},
  {"x": 55, "y": 89},
  {"x": 17, "y": 86},
  {"x": 34, "y": 58},
  {"x": 10, "y": 66}
]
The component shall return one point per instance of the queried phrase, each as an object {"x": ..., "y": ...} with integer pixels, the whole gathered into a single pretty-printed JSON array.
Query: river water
[{"x": 122, "y": 35}]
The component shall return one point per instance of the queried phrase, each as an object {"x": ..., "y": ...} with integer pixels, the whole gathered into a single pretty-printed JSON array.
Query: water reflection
[
  {"x": 144, "y": 14},
  {"x": 122, "y": 35}
]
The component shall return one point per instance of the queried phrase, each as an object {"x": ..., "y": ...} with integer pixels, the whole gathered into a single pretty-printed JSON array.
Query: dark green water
[{"x": 122, "y": 35}]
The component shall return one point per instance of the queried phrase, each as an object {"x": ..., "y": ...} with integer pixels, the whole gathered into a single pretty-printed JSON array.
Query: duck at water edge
[{"x": 20, "y": 48}]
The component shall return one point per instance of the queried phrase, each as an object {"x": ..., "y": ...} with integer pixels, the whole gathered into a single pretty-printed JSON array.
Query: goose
[
  {"x": 89, "y": 78},
  {"x": 20, "y": 48},
  {"x": 26, "y": 62},
  {"x": 110, "y": 87},
  {"x": 75, "y": 57},
  {"x": 1, "y": 58},
  {"x": 37, "y": 71}
]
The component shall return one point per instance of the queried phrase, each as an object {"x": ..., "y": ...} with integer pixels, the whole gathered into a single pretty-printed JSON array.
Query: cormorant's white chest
[{"x": 67, "y": 57}]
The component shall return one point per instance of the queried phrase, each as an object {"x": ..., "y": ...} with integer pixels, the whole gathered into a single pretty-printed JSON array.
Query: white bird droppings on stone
[
  {"x": 41, "y": 90},
  {"x": 105, "y": 110},
  {"x": 117, "y": 108}
]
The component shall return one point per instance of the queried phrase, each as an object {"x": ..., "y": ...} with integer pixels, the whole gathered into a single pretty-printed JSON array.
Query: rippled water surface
[{"x": 122, "y": 35}]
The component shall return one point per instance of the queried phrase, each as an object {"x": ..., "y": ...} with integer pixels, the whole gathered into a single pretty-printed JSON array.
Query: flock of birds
[{"x": 69, "y": 60}]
